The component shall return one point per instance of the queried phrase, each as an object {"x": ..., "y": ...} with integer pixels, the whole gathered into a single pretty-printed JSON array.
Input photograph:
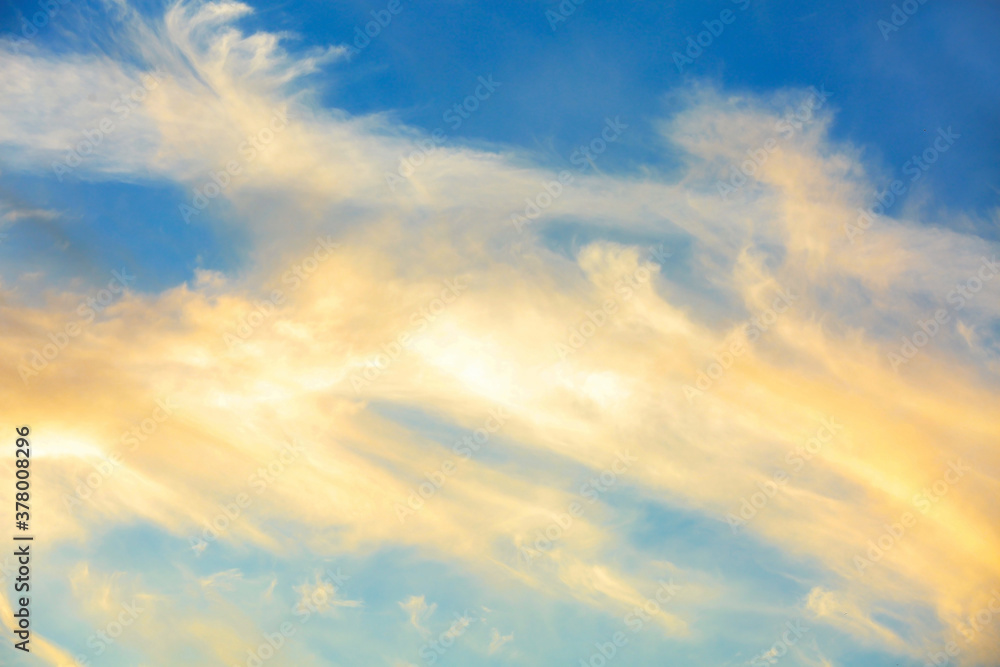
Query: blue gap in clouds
[
  {"x": 941, "y": 68},
  {"x": 101, "y": 227},
  {"x": 617, "y": 58},
  {"x": 567, "y": 236},
  {"x": 498, "y": 452},
  {"x": 701, "y": 542}
]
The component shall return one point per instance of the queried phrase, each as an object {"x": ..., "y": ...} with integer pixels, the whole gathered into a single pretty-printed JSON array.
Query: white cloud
[
  {"x": 418, "y": 611},
  {"x": 498, "y": 640},
  {"x": 325, "y": 174}
]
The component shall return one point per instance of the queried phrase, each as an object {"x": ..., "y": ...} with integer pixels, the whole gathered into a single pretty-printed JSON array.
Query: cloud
[
  {"x": 225, "y": 579},
  {"x": 321, "y": 595},
  {"x": 497, "y": 640},
  {"x": 419, "y": 611},
  {"x": 13, "y": 215},
  {"x": 497, "y": 345}
]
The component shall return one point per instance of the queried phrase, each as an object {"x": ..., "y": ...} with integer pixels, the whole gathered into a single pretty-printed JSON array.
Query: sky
[{"x": 396, "y": 334}]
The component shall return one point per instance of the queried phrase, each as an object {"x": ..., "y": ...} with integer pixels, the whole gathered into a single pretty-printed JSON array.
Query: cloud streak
[{"x": 322, "y": 176}]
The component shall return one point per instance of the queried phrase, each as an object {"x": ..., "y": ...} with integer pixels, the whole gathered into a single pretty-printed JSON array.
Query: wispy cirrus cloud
[{"x": 324, "y": 175}]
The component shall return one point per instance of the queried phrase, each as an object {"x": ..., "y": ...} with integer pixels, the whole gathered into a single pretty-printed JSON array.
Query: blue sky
[
  {"x": 376, "y": 370},
  {"x": 605, "y": 59}
]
